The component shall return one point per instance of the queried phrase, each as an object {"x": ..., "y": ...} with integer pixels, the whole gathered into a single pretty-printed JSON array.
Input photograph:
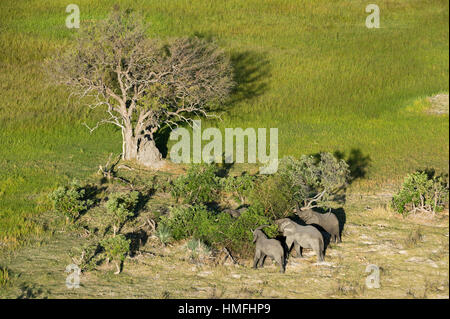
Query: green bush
[
  {"x": 199, "y": 185},
  {"x": 219, "y": 230},
  {"x": 274, "y": 195},
  {"x": 70, "y": 201},
  {"x": 315, "y": 181},
  {"x": 421, "y": 192},
  {"x": 239, "y": 186},
  {"x": 310, "y": 181},
  {"x": 121, "y": 206},
  {"x": 116, "y": 248},
  {"x": 240, "y": 234},
  {"x": 188, "y": 221}
]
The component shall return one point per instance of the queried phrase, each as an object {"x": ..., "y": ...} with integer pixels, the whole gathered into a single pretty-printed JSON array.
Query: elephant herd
[{"x": 300, "y": 236}]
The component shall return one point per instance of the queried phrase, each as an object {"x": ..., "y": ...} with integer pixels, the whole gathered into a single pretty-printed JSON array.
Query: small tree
[
  {"x": 200, "y": 184},
  {"x": 315, "y": 181},
  {"x": 142, "y": 84},
  {"x": 239, "y": 186},
  {"x": 70, "y": 201},
  {"x": 116, "y": 249},
  {"x": 421, "y": 193},
  {"x": 120, "y": 207}
]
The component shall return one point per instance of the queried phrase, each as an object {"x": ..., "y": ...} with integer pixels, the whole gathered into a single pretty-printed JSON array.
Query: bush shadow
[{"x": 358, "y": 163}]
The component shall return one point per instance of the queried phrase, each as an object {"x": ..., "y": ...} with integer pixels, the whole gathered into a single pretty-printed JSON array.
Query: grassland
[
  {"x": 411, "y": 254},
  {"x": 310, "y": 68}
]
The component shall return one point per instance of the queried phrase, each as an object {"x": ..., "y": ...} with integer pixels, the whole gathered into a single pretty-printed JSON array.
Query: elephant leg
[
  {"x": 261, "y": 260},
  {"x": 256, "y": 259},
  {"x": 319, "y": 253},
  {"x": 289, "y": 247},
  {"x": 299, "y": 250},
  {"x": 282, "y": 264}
]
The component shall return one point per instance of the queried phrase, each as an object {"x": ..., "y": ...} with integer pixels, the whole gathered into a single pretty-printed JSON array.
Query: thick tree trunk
[
  {"x": 141, "y": 149},
  {"x": 130, "y": 145},
  {"x": 149, "y": 155}
]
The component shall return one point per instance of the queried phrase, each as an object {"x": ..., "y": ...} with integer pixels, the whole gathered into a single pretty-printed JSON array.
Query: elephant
[
  {"x": 302, "y": 237},
  {"x": 328, "y": 221},
  {"x": 267, "y": 247}
]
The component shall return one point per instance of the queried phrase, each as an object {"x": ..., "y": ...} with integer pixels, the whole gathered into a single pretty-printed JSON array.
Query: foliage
[
  {"x": 421, "y": 192},
  {"x": 163, "y": 233},
  {"x": 199, "y": 185},
  {"x": 314, "y": 181},
  {"x": 116, "y": 248},
  {"x": 121, "y": 207},
  {"x": 239, "y": 186},
  {"x": 70, "y": 201},
  {"x": 217, "y": 229},
  {"x": 89, "y": 256},
  {"x": 188, "y": 221},
  {"x": 274, "y": 195},
  {"x": 311, "y": 181}
]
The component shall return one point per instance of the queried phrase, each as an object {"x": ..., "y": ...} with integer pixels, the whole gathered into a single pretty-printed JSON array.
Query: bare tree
[{"x": 142, "y": 84}]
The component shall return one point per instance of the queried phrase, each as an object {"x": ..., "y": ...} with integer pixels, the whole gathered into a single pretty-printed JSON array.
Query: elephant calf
[
  {"x": 328, "y": 221},
  {"x": 267, "y": 247},
  {"x": 302, "y": 237}
]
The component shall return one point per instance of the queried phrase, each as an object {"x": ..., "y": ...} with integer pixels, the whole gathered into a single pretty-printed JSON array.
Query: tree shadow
[
  {"x": 224, "y": 168},
  {"x": 143, "y": 199},
  {"x": 251, "y": 74},
  {"x": 431, "y": 174},
  {"x": 32, "y": 291},
  {"x": 358, "y": 162},
  {"x": 137, "y": 239},
  {"x": 91, "y": 194},
  {"x": 162, "y": 139}
]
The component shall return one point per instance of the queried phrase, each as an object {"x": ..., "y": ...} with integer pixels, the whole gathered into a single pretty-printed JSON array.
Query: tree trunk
[
  {"x": 130, "y": 145},
  {"x": 141, "y": 148}
]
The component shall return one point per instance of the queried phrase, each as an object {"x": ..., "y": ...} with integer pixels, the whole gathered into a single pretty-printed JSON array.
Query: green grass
[{"x": 330, "y": 84}]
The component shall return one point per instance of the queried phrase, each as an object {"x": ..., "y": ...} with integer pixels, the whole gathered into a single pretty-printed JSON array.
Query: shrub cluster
[
  {"x": 216, "y": 229},
  {"x": 73, "y": 200},
  {"x": 70, "y": 200},
  {"x": 200, "y": 185},
  {"x": 203, "y": 190},
  {"x": 116, "y": 248},
  {"x": 421, "y": 192},
  {"x": 121, "y": 207},
  {"x": 310, "y": 181}
]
